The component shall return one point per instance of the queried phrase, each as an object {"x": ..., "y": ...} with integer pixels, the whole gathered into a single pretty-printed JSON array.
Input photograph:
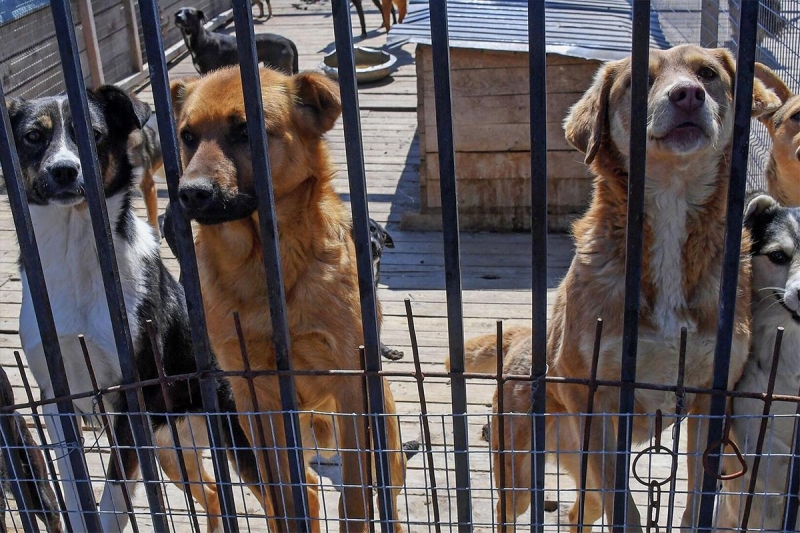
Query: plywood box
[{"x": 491, "y": 121}]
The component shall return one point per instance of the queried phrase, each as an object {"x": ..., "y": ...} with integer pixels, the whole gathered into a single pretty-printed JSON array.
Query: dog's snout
[
  {"x": 687, "y": 96},
  {"x": 64, "y": 174},
  {"x": 196, "y": 196}
]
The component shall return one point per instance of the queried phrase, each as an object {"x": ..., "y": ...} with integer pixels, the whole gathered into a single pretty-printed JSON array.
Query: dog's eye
[
  {"x": 778, "y": 257},
  {"x": 187, "y": 137},
  {"x": 707, "y": 73},
  {"x": 34, "y": 136},
  {"x": 98, "y": 136},
  {"x": 796, "y": 117}
]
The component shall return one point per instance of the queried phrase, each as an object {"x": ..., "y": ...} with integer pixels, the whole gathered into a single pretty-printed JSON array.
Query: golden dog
[
  {"x": 783, "y": 169},
  {"x": 690, "y": 126},
  {"x": 318, "y": 261}
]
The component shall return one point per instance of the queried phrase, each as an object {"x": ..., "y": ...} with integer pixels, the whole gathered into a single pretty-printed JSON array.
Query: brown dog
[
  {"x": 144, "y": 151},
  {"x": 387, "y": 8},
  {"x": 318, "y": 263},
  {"x": 783, "y": 169},
  {"x": 690, "y": 127}
]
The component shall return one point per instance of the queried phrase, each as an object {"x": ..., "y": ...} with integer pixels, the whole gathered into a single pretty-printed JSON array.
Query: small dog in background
[
  {"x": 144, "y": 152},
  {"x": 387, "y": 6},
  {"x": 775, "y": 290},
  {"x": 260, "y": 5},
  {"x": 783, "y": 169},
  {"x": 42, "y": 498},
  {"x": 212, "y": 50}
]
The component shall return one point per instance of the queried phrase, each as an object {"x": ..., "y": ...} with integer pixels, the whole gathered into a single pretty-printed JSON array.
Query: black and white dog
[
  {"x": 55, "y": 188},
  {"x": 775, "y": 234},
  {"x": 212, "y": 50}
]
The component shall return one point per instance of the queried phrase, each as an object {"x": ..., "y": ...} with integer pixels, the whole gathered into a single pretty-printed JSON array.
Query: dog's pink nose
[{"x": 687, "y": 96}]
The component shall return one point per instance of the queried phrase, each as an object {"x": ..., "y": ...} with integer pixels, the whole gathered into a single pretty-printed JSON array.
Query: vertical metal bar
[
  {"x": 709, "y": 23},
  {"x": 356, "y": 172},
  {"x": 76, "y": 92},
  {"x": 157, "y": 63},
  {"x": 251, "y": 85},
  {"x": 743, "y": 96},
  {"x": 452, "y": 256},
  {"x": 633, "y": 253},
  {"x": 501, "y": 436},
  {"x": 10, "y": 447},
  {"x": 18, "y": 200},
  {"x": 48, "y": 459},
  {"x": 793, "y": 488},
  {"x": 364, "y": 386},
  {"x": 426, "y": 429},
  {"x": 537, "y": 58},
  {"x": 773, "y": 373}
]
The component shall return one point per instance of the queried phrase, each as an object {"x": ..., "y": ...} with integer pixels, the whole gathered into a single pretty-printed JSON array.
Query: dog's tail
[{"x": 480, "y": 353}]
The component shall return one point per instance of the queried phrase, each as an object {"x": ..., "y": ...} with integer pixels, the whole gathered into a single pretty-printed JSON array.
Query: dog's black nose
[
  {"x": 196, "y": 196},
  {"x": 64, "y": 174}
]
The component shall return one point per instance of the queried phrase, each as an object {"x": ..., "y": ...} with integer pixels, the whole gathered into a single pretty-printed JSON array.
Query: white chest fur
[{"x": 77, "y": 295}]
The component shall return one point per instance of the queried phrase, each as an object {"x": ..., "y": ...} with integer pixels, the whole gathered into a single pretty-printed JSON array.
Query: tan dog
[
  {"x": 783, "y": 169},
  {"x": 144, "y": 151},
  {"x": 318, "y": 263},
  {"x": 690, "y": 125},
  {"x": 386, "y": 10}
]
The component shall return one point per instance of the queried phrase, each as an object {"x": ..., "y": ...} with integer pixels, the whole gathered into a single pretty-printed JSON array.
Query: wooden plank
[
  {"x": 132, "y": 30},
  {"x": 497, "y": 138},
  {"x": 515, "y": 80},
  {"x": 500, "y": 165},
  {"x": 90, "y": 38},
  {"x": 467, "y": 58},
  {"x": 507, "y": 109}
]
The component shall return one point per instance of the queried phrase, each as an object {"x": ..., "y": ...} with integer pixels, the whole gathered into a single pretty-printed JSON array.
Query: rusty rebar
[
  {"x": 367, "y": 445},
  {"x": 676, "y": 428},
  {"x": 762, "y": 431},
  {"x": 187, "y": 489},
  {"x": 37, "y": 422},
  {"x": 112, "y": 437},
  {"x": 587, "y": 424},
  {"x": 248, "y": 376},
  {"x": 426, "y": 430}
]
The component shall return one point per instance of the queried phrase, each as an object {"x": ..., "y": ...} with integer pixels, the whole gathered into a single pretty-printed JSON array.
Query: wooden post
[
  {"x": 709, "y": 23},
  {"x": 90, "y": 38},
  {"x": 137, "y": 62}
]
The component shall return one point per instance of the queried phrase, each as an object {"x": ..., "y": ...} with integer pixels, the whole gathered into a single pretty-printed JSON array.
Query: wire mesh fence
[{"x": 286, "y": 466}]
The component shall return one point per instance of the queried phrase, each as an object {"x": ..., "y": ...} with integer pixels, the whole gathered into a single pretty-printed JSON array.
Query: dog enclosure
[{"x": 441, "y": 490}]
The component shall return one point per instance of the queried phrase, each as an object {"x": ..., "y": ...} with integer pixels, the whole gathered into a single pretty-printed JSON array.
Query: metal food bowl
[{"x": 371, "y": 64}]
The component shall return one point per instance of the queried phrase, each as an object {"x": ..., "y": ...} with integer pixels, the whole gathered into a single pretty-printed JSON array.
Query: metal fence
[{"x": 288, "y": 504}]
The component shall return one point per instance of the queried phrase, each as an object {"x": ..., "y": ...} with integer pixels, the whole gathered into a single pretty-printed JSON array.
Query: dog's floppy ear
[
  {"x": 765, "y": 101},
  {"x": 126, "y": 111},
  {"x": 13, "y": 105},
  {"x": 773, "y": 84},
  {"x": 318, "y": 100},
  {"x": 757, "y": 205},
  {"x": 388, "y": 241},
  {"x": 201, "y": 15},
  {"x": 179, "y": 89},
  {"x": 587, "y": 120}
]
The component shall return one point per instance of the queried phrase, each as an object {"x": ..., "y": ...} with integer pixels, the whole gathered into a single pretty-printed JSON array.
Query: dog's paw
[{"x": 391, "y": 353}]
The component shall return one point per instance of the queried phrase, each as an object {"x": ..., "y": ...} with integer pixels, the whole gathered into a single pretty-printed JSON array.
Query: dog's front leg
[
  {"x": 68, "y": 483},
  {"x": 697, "y": 438},
  {"x": 114, "y": 511}
]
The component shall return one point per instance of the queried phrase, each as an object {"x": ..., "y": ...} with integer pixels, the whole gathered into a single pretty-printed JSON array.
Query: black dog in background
[
  {"x": 379, "y": 239},
  {"x": 212, "y": 50}
]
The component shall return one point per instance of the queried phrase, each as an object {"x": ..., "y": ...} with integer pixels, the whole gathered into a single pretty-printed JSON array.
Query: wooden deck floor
[{"x": 496, "y": 279}]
